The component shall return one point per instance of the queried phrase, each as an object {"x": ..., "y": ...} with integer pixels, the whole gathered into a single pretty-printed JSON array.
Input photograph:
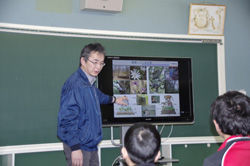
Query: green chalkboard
[{"x": 33, "y": 69}]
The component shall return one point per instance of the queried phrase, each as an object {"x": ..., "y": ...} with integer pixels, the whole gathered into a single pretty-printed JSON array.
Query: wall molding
[
  {"x": 49, "y": 147},
  {"x": 74, "y": 32}
]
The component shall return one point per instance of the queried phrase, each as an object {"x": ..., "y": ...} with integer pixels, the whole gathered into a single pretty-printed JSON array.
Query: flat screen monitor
[{"x": 159, "y": 90}]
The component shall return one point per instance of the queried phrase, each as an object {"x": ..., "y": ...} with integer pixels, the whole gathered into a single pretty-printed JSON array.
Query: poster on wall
[{"x": 206, "y": 19}]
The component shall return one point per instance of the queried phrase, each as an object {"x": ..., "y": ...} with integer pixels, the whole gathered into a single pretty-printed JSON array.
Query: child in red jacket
[{"x": 231, "y": 117}]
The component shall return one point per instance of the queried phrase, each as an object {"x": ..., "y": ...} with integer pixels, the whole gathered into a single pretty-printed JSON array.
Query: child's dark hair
[
  {"x": 142, "y": 142},
  {"x": 231, "y": 111}
]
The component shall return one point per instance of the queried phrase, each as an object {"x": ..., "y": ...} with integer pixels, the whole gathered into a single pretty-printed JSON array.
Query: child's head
[
  {"x": 141, "y": 144},
  {"x": 231, "y": 113}
]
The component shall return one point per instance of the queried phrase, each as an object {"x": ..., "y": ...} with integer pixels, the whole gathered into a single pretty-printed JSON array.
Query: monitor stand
[{"x": 124, "y": 130}]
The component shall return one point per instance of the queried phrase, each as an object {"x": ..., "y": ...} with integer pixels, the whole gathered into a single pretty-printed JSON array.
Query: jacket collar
[
  {"x": 86, "y": 76},
  {"x": 232, "y": 138}
]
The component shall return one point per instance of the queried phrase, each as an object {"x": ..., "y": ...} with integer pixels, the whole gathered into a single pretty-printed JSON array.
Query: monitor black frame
[{"x": 105, "y": 84}]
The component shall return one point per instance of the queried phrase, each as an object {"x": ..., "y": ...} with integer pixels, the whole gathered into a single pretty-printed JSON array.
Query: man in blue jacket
[{"x": 79, "y": 117}]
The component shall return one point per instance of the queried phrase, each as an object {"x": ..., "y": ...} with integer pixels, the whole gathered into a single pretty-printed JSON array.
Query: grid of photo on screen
[{"x": 152, "y": 88}]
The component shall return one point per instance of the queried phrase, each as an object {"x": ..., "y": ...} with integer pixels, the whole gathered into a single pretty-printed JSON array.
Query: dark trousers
[{"x": 89, "y": 158}]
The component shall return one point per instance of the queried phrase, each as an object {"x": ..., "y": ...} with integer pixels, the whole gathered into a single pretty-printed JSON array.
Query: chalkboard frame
[{"x": 42, "y": 136}]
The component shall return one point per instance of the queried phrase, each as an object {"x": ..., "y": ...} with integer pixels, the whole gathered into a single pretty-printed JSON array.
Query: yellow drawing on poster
[{"x": 206, "y": 19}]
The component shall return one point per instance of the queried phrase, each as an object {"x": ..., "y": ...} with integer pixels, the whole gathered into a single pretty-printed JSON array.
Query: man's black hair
[{"x": 95, "y": 47}]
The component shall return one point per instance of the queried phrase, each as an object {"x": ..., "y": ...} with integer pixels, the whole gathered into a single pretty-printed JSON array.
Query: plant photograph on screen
[
  {"x": 151, "y": 87},
  {"x": 159, "y": 90}
]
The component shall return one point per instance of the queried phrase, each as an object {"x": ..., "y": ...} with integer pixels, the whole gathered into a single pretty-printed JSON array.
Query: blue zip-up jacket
[{"x": 79, "y": 117}]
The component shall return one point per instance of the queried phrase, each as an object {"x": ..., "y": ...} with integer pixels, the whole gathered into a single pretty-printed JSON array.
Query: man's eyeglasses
[{"x": 97, "y": 63}]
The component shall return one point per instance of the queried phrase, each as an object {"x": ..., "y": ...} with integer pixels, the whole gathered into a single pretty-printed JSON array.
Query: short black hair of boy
[
  {"x": 142, "y": 142},
  {"x": 231, "y": 111}
]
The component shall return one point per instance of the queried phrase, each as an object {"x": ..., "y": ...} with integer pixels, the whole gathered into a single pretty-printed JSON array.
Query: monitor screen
[{"x": 159, "y": 90}]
